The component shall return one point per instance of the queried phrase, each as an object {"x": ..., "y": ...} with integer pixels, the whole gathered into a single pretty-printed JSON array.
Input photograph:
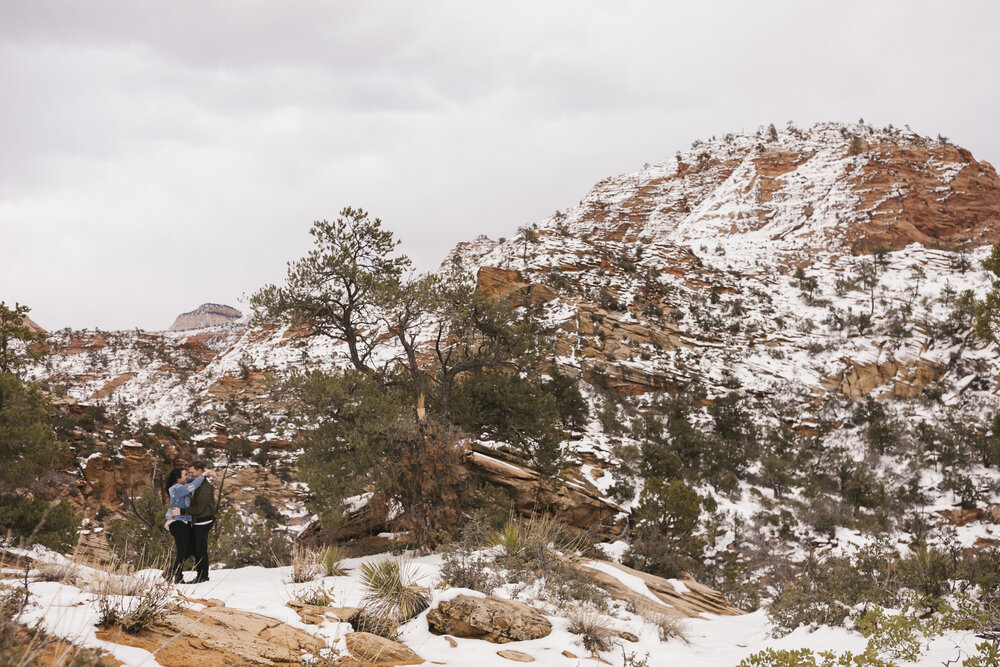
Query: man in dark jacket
[{"x": 202, "y": 511}]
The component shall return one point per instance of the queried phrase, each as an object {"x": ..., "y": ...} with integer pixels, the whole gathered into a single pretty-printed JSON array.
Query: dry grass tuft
[
  {"x": 64, "y": 573},
  {"x": 593, "y": 631},
  {"x": 23, "y": 645},
  {"x": 318, "y": 596},
  {"x": 132, "y": 601},
  {"x": 306, "y": 565},
  {"x": 667, "y": 627}
]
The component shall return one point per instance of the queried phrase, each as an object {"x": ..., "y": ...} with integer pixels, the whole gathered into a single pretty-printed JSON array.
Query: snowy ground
[{"x": 69, "y": 612}]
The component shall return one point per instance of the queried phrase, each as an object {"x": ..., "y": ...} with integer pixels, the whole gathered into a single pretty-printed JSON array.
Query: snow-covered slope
[{"x": 71, "y": 610}]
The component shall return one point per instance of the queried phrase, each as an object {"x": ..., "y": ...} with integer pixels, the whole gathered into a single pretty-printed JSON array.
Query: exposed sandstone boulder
[
  {"x": 218, "y": 637},
  {"x": 992, "y": 514},
  {"x": 206, "y": 315},
  {"x": 312, "y": 614},
  {"x": 370, "y": 650},
  {"x": 960, "y": 517},
  {"x": 515, "y": 656},
  {"x": 499, "y": 282},
  {"x": 493, "y": 619},
  {"x": 908, "y": 379},
  {"x": 689, "y": 599},
  {"x": 531, "y": 492}
]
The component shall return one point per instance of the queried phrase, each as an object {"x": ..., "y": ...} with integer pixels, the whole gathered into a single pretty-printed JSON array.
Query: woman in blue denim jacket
[{"x": 180, "y": 488}]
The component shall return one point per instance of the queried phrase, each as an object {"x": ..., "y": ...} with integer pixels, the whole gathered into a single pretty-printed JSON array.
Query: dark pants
[
  {"x": 181, "y": 532},
  {"x": 200, "y": 546}
]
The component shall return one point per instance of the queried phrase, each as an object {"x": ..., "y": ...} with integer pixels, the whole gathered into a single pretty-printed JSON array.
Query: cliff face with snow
[
  {"x": 688, "y": 268},
  {"x": 805, "y": 269}
]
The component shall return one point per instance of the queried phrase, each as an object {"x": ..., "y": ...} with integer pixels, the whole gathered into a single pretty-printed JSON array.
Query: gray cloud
[{"x": 157, "y": 155}]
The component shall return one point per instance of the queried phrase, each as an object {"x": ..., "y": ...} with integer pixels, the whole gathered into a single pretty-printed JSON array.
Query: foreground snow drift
[{"x": 71, "y": 611}]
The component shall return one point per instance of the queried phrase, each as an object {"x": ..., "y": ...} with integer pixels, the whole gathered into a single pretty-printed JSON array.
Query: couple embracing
[{"x": 190, "y": 518}]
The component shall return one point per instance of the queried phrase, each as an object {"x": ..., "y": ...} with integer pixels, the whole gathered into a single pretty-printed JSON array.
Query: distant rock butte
[
  {"x": 31, "y": 324},
  {"x": 206, "y": 315}
]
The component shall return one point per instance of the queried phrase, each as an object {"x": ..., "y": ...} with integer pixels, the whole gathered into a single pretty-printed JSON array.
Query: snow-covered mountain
[{"x": 805, "y": 269}]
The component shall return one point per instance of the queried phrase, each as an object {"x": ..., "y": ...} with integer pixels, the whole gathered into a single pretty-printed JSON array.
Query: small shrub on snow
[
  {"x": 634, "y": 660},
  {"x": 592, "y": 630},
  {"x": 63, "y": 573},
  {"x": 241, "y": 540},
  {"x": 318, "y": 596},
  {"x": 805, "y": 657},
  {"x": 667, "y": 627},
  {"x": 465, "y": 566},
  {"x": 895, "y": 636},
  {"x": 826, "y": 591},
  {"x": 538, "y": 554},
  {"x": 132, "y": 602}
]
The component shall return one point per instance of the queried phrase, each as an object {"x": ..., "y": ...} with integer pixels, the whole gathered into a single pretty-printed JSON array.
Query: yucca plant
[
  {"x": 393, "y": 592},
  {"x": 332, "y": 559},
  {"x": 510, "y": 539}
]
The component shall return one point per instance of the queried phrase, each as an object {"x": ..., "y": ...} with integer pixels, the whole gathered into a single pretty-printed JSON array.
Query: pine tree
[
  {"x": 29, "y": 449},
  {"x": 334, "y": 291},
  {"x": 28, "y": 446},
  {"x": 369, "y": 429},
  {"x": 987, "y": 310},
  {"x": 17, "y": 339}
]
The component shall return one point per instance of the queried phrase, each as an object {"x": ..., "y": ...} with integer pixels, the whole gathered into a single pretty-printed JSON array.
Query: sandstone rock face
[
  {"x": 907, "y": 379},
  {"x": 493, "y": 619},
  {"x": 961, "y": 517},
  {"x": 219, "y": 637},
  {"x": 312, "y": 614},
  {"x": 206, "y": 315},
  {"x": 109, "y": 480},
  {"x": 894, "y": 183},
  {"x": 374, "y": 651},
  {"x": 499, "y": 282},
  {"x": 531, "y": 492}
]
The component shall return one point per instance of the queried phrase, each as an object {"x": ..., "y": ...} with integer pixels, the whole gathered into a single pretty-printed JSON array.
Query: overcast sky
[{"x": 157, "y": 155}]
